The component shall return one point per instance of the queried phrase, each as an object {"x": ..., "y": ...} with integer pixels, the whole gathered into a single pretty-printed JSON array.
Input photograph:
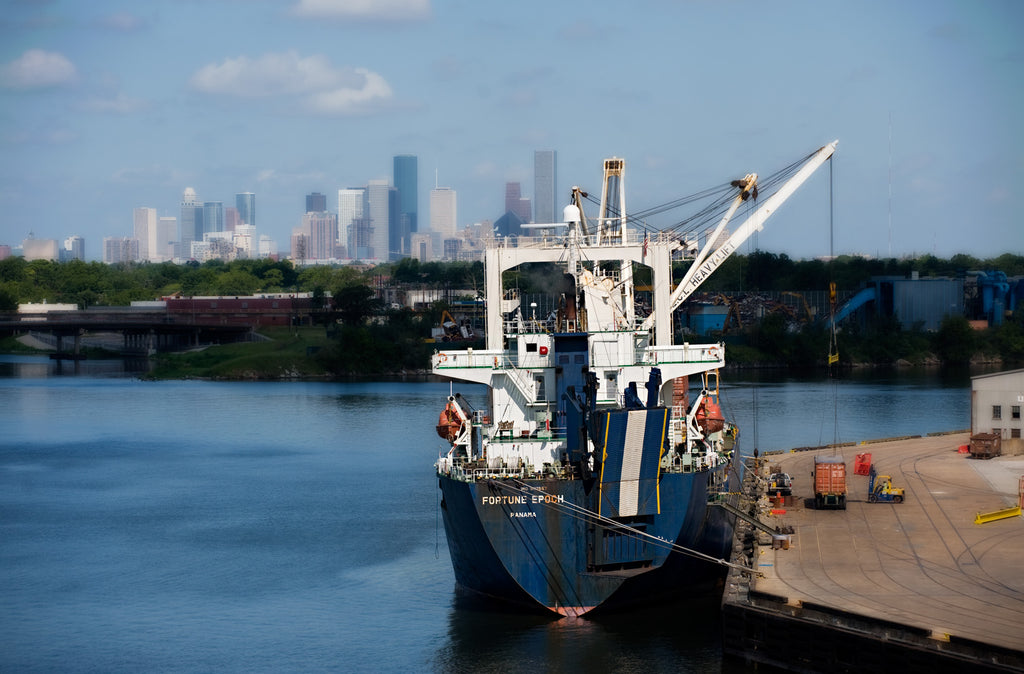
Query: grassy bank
[
  {"x": 11, "y": 344},
  {"x": 289, "y": 355}
]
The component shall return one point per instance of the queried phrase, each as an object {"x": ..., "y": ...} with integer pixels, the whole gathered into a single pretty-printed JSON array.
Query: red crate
[{"x": 862, "y": 464}]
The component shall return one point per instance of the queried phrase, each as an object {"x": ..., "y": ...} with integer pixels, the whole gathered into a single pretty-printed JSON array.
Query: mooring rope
[{"x": 579, "y": 512}]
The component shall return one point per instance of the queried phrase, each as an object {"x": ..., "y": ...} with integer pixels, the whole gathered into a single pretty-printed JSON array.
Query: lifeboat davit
[
  {"x": 449, "y": 424},
  {"x": 709, "y": 417}
]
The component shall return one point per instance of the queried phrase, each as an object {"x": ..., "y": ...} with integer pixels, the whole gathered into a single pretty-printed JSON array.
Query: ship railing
[
  {"x": 710, "y": 354},
  {"x": 557, "y": 236},
  {"x": 546, "y": 327},
  {"x": 469, "y": 358},
  {"x": 554, "y": 433}
]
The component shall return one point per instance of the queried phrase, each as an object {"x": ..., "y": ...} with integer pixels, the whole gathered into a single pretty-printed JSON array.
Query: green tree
[
  {"x": 354, "y": 303},
  {"x": 8, "y": 300},
  {"x": 955, "y": 341},
  {"x": 236, "y": 282}
]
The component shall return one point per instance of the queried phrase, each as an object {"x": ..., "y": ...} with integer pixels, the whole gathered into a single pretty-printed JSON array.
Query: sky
[{"x": 106, "y": 106}]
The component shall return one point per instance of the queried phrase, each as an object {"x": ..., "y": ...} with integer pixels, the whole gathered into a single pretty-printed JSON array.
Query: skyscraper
[
  {"x": 191, "y": 222},
  {"x": 381, "y": 208},
  {"x": 166, "y": 231},
  {"x": 443, "y": 212},
  {"x": 316, "y": 203},
  {"x": 245, "y": 202},
  {"x": 516, "y": 203},
  {"x": 231, "y": 219},
  {"x": 40, "y": 249},
  {"x": 350, "y": 214},
  {"x": 213, "y": 216},
  {"x": 145, "y": 231},
  {"x": 406, "y": 178},
  {"x": 74, "y": 249},
  {"x": 120, "y": 249},
  {"x": 321, "y": 231},
  {"x": 544, "y": 187}
]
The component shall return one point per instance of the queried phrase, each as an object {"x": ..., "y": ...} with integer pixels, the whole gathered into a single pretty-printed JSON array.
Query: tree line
[
  {"x": 771, "y": 340},
  {"x": 89, "y": 284}
]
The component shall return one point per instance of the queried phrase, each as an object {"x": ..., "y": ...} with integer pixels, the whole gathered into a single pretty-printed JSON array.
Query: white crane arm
[{"x": 705, "y": 264}]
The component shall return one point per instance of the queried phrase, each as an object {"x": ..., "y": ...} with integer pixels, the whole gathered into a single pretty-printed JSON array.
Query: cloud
[
  {"x": 364, "y": 10},
  {"x": 122, "y": 21},
  {"x": 37, "y": 69},
  {"x": 347, "y": 100},
  {"x": 154, "y": 173},
  {"x": 41, "y": 135},
  {"x": 120, "y": 104},
  {"x": 323, "y": 88}
]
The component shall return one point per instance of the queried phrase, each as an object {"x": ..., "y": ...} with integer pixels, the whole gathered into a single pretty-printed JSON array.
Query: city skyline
[{"x": 288, "y": 98}]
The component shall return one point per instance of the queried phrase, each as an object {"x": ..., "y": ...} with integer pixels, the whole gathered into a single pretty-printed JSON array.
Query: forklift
[{"x": 880, "y": 489}]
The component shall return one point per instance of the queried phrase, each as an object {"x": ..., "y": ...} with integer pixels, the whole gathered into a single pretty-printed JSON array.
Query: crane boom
[{"x": 705, "y": 264}]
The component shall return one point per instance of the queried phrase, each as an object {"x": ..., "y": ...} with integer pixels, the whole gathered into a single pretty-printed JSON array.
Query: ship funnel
[{"x": 571, "y": 214}]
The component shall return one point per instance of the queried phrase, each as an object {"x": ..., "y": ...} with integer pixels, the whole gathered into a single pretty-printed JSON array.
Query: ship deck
[{"x": 919, "y": 571}]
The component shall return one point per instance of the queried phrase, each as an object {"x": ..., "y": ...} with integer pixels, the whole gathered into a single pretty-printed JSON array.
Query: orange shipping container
[{"x": 829, "y": 476}]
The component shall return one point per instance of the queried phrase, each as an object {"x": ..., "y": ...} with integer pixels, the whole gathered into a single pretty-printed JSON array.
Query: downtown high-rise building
[
  {"x": 322, "y": 229},
  {"x": 117, "y": 249},
  {"x": 191, "y": 221},
  {"x": 74, "y": 249},
  {"x": 316, "y": 203},
  {"x": 213, "y": 216},
  {"x": 516, "y": 203},
  {"x": 245, "y": 202},
  {"x": 406, "y": 177},
  {"x": 545, "y": 208},
  {"x": 231, "y": 219},
  {"x": 144, "y": 231},
  {"x": 380, "y": 207},
  {"x": 166, "y": 237},
  {"x": 352, "y": 231},
  {"x": 40, "y": 249},
  {"x": 443, "y": 213}
]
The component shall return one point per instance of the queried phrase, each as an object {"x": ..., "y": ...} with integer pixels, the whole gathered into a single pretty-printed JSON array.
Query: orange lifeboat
[
  {"x": 449, "y": 424},
  {"x": 709, "y": 417}
]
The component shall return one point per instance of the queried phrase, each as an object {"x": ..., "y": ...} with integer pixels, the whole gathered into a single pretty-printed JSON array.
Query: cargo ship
[{"x": 587, "y": 479}]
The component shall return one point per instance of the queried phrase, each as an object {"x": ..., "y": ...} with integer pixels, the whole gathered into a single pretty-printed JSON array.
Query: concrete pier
[{"x": 914, "y": 586}]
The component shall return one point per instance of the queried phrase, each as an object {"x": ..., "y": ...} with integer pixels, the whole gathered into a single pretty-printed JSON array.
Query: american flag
[{"x": 647, "y": 240}]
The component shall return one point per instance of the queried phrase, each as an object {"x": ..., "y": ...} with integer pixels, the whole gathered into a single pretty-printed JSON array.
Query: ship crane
[{"x": 710, "y": 258}]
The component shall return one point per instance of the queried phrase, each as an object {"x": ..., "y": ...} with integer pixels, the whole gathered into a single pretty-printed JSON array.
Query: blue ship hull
[{"x": 525, "y": 542}]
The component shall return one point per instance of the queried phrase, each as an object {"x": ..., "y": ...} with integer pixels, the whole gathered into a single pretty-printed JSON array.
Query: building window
[
  {"x": 997, "y": 411},
  {"x": 1015, "y": 411},
  {"x": 1014, "y": 432}
]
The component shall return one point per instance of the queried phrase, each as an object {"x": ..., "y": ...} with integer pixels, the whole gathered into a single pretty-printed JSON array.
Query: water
[{"x": 201, "y": 526}]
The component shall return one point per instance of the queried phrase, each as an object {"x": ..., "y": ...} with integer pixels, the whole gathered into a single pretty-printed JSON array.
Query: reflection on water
[
  {"x": 40, "y": 367},
  {"x": 676, "y": 637},
  {"x": 191, "y": 525}
]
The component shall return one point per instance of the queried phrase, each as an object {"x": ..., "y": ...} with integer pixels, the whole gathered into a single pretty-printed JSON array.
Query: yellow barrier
[{"x": 982, "y": 518}]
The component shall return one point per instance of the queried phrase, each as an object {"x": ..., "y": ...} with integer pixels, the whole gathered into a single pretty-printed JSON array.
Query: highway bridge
[{"x": 142, "y": 331}]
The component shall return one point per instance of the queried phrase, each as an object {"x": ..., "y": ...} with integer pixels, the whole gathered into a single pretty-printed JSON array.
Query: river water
[{"x": 206, "y": 526}]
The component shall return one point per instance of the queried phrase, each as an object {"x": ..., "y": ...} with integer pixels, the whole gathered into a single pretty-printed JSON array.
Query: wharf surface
[{"x": 917, "y": 582}]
